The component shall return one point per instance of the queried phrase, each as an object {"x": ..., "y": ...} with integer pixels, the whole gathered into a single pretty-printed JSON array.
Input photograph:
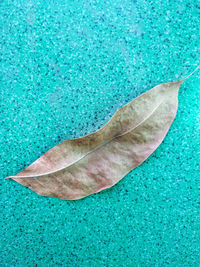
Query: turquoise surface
[{"x": 66, "y": 67}]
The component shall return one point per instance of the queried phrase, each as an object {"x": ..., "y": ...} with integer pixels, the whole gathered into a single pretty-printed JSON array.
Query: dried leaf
[{"x": 79, "y": 167}]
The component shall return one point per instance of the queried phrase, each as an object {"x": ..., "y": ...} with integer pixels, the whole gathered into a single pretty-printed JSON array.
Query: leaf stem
[{"x": 189, "y": 74}]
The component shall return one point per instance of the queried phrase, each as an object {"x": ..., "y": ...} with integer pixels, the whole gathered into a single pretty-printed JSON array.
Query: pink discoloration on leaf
[{"x": 79, "y": 167}]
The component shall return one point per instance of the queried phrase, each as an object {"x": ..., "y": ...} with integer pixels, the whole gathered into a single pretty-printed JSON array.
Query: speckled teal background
[{"x": 66, "y": 67}]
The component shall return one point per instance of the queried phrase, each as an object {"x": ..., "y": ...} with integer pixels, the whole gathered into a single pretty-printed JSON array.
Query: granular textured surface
[{"x": 66, "y": 67}]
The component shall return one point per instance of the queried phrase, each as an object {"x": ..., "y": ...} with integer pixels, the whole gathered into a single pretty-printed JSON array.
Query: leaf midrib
[{"x": 94, "y": 150}]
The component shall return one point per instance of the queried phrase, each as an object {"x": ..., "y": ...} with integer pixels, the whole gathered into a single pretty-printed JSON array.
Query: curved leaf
[{"x": 79, "y": 167}]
